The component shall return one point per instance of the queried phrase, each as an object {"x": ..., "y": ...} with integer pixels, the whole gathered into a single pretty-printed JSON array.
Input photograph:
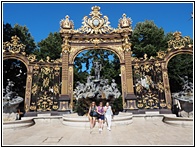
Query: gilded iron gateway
[{"x": 144, "y": 81}]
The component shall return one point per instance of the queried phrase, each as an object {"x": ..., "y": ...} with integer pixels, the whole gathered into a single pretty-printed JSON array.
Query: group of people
[{"x": 100, "y": 113}]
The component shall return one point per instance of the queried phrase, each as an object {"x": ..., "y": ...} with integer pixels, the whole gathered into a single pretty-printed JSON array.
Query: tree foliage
[
  {"x": 109, "y": 61},
  {"x": 23, "y": 33},
  {"x": 148, "y": 38},
  {"x": 180, "y": 65},
  {"x": 51, "y": 46}
]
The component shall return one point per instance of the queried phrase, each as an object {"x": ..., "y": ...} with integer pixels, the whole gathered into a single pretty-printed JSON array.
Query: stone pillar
[
  {"x": 123, "y": 83},
  {"x": 70, "y": 84},
  {"x": 65, "y": 59},
  {"x": 166, "y": 86},
  {"x": 64, "y": 98},
  {"x": 130, "y": 96},
  {"x": 28, "y": 89}
]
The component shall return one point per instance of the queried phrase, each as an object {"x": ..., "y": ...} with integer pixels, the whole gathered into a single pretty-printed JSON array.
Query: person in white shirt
[{"x": 108, "y": 115}]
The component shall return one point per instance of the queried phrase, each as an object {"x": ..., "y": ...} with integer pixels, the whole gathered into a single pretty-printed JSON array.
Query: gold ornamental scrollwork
[
  {"x": 136, "y": 68},
  {"x": 179, "y": 42},
  {"x": 96, "y": 41},
  {"x": 126, "y": 44},
  {"x": 160, "y": 87},
  {"x": 161, "y": 54},
  {"x": 56, "y": 89},
  {"x": 96, "y": 24},
  {"x": 65, "y": 46},
  {"x": 55, "y": 106},
  {"x": 44, "y": 103},
  {"x": 34, "y": 89},
  {"x": 36, "y": 69},
  {"x": 33, "y": 106},
  {"x": 31, "y": 57},
  {"x": 15, "y": 46},
  {"x": 45, "y": 70},
  {"x": 58, "y": 61},
  {"x": 56, "y": 70}
]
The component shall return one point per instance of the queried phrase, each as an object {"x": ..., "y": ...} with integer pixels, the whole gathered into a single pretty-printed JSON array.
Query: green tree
[
  {"x": 23, "y": 33},
  {"x": 51, "y": 46},
  {"x": 8, "y": 32},
  {"x": 180, "y": 65},
  {"x": 148, "y": 38},
  {"x": 109, "y": 61}
]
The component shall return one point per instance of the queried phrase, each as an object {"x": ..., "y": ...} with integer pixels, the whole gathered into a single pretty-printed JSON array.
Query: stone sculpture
[
  {"x": 96, "y": 87},
  {"x": 10, "y": 99},
  {"x": 185, "y": 99},
  {"x": 97, "y": 68}
]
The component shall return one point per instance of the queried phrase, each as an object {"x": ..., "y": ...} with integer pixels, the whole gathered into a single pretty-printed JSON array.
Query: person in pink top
[{"x": 100, "y": 111}]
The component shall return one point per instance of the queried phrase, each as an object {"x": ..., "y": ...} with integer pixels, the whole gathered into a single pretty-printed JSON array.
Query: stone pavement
[{"x": 143, "y": 131}]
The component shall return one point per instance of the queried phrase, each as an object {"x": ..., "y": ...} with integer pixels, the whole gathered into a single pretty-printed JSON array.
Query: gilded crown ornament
[
  {"x": 66, "y": 23},
  {"x": 124, "y": 22},
  {"x": 96, "y": 24}
]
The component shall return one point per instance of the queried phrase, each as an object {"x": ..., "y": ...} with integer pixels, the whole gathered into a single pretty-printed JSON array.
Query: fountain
[
  {"x": 96, "y": 88},
  {"x": 11, "y": 102},
  {"x": 183, "y": 100}
]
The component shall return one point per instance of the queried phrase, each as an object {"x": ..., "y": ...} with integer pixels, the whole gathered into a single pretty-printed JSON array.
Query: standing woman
[
  {"x": 108, "y": 115},
  {"x": 100, "y": 111},
  {"x": 92, "y": 113}
]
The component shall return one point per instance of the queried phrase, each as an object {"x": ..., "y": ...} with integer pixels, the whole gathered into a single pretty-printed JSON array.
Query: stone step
[{"x": 83, "y": 121}]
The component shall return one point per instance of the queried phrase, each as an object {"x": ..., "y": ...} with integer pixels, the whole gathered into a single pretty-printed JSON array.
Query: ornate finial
[
  {"x": 96, "y": 24},
  {"x": 145, "y": 56},
  {"x": 96, "y": 11},
  {"x": 15, "y": 40},
  {"x": 179, "y": 41},
  {"x": 125, "y": 22},
  {"x": 14, "y": 46},
  {"x": 66, "y": 23},
  {"x": 177, "y": 35},
  {"x": 48, "y": 59}
]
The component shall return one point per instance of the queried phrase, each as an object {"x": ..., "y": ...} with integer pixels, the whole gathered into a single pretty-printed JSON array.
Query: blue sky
[{"x": 43, "y": 18}]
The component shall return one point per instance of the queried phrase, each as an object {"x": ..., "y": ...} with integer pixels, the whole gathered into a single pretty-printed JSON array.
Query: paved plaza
[{"x": 143, "y": 131}]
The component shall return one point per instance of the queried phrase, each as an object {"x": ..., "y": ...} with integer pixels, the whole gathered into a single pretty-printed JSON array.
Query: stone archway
[
  {"x": 96, "y": 33},
  {"x": 37, "y": 98},
  {"x": 16, "y": 50},
  {"x": 71, "y": 67},
  {"x": 180, "y": 45}
]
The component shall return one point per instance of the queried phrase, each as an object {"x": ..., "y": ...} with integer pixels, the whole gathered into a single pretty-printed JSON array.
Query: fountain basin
[
  {"x": 18, "y": 124},
  {"x": 179, "y": 121}
]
